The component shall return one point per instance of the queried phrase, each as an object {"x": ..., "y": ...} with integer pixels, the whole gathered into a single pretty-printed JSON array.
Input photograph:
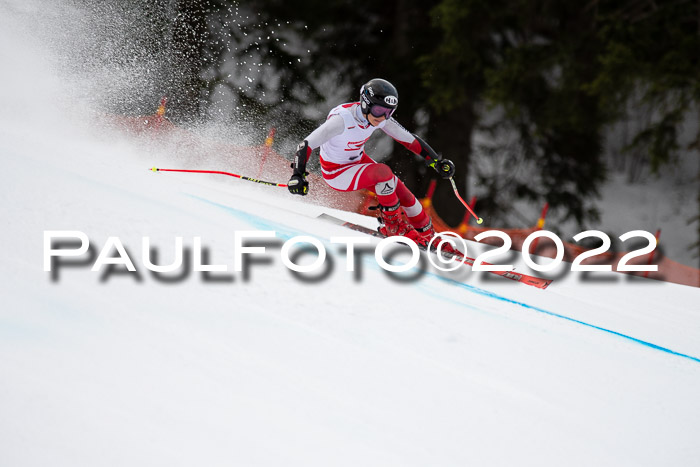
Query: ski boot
[
  {"x": 426, "y": 233},
  {"x": 392, "y": 222}
]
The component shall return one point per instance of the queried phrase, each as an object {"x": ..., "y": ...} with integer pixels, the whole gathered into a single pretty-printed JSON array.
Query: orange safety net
[{"x": 668, "y": 270}]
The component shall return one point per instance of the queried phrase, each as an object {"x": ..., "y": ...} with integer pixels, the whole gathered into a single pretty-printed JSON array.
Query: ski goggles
[{"x": 381, "y": 111}]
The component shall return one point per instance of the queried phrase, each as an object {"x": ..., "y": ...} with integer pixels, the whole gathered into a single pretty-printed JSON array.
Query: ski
[{"x": 534, "y": 281}]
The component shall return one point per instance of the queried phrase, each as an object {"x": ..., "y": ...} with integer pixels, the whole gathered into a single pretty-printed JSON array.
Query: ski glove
[
  {"x": 297, "y": 185},
  {"x": 444, "y": 167}
]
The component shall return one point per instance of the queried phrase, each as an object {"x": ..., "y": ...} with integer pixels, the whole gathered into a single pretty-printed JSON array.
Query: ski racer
[{"x": 346, "y": 167}]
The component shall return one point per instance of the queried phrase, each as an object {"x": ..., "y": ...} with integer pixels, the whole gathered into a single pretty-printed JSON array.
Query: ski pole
[
  {"x": 479, "y": 220},
  {"x": 242, "y": 177}
]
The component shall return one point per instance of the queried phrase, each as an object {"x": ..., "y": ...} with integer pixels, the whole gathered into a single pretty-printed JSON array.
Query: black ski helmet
[{"x": 381, "y": 93}]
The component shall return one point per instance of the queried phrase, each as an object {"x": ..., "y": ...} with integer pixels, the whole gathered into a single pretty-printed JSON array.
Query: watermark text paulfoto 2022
[{"x": 60, "y": 245}]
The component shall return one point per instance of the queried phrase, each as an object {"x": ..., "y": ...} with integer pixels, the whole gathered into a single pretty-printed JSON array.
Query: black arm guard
[
  {"x": 427, "y": 152},
  {"x": 302, "y": 154}
]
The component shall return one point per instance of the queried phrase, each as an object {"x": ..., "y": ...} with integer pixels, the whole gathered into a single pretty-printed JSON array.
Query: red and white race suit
[{"x": 346, "y": 167}]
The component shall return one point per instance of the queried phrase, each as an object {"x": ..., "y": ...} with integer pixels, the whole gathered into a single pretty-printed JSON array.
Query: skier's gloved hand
[
  {"x": 444, "y": 167},
  {"x": 297, "y": 185}
]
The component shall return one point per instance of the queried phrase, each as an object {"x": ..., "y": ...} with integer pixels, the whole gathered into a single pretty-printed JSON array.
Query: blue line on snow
[
  {"x": 573, "y": 320},
  {"x": 257, "y": 221}
]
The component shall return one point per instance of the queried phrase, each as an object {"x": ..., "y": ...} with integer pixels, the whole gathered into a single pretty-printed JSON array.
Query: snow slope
[{"x": 269, "y": 369}]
